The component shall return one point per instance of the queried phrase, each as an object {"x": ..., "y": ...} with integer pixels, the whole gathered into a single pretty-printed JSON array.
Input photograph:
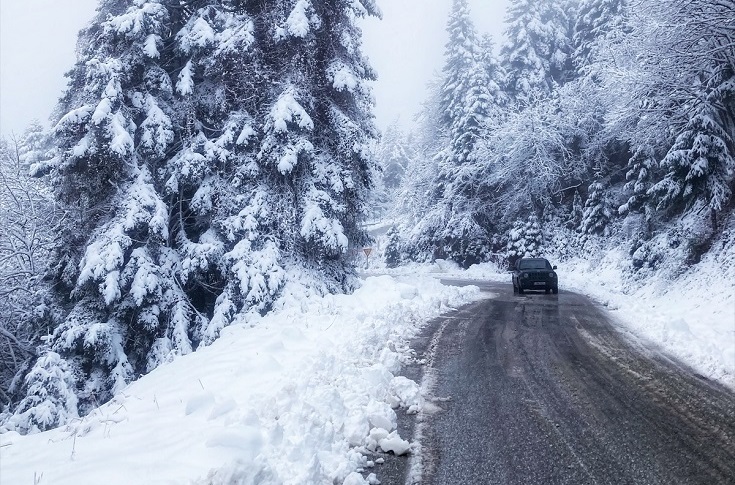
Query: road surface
[{"x": 544, "y": 389}]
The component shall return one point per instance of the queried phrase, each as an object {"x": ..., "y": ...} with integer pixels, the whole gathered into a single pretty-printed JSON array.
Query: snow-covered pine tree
[
  {"x": 597, "y": 211},
  {"x": 577, "y": 212},
  {"x": 639, "y": 175},
  {"x": 451, "y": 227},
  {"x": 394, "y": 154},
  {"x": 50, "y": 396},
  {"x": 465, "y": 98},
  {"x": 525, "y": 240},
  {"x": 197, "y": 166},
  {"x": 416, "y": 195},
  {"x": 316, "y": 146},
  {"x": 494, "y": 75},
  {"x": 116, "y": 266},
  {"x": 596, "y": 21},
  {"x": 536, "y": 56},
  {"x": 393, "y": 248},
  {"x": 700, "y": 166}
]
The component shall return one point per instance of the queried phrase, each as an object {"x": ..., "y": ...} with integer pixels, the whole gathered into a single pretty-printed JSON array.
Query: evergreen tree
[
  {"x": 205, "y": 152},
  {"x": 465, "y": 99},
  {"x": 639, "y": 176},
  {"x": 393, "y": 248},
  {"x": 525, "y": 240},
  {"x": 452, "y": 228},
  {"x": 494, "y": 75},
  {"x": 597, "y": 20},
  {"x": 395, "y": 155},
  {"x": 50, "y": 396},
  {"x": 700, "y": 166},
  {"x": 317, "y": 136},
  {"x": 536, "y": 56},
  {"x": 597, "y": 211},
  {"x": 577, "y": 211}
]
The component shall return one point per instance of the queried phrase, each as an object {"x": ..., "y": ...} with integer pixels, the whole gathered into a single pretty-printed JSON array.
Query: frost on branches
[{"x": 206, "y": 157}]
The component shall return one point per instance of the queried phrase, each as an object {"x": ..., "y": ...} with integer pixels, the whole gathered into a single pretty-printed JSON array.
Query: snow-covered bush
[
  {"x": 525, "y": 240},
  {"x": 50, "y": 396}
]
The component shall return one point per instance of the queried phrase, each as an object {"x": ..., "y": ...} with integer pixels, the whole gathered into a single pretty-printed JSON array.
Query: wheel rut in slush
[{"x": 542, "y": 389}]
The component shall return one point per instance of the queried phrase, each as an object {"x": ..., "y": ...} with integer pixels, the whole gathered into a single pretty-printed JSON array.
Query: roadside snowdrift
[
  {"x": 691, "y": 316},
  {"x": 300, "y": 396}
]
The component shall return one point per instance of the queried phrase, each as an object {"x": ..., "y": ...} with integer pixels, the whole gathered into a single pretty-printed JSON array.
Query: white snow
[
  {"x": 301, "y": 395},
  {"x": 298, "y": 21},
  {"x": 286, "y": 109},
  {"x": 343, "y": 78},
  {"x": 185, "y": 84},
  {"x": 196, "y": 34},
  {"x": 691, "y": 317},
  {"x": 150, "y": 47}
]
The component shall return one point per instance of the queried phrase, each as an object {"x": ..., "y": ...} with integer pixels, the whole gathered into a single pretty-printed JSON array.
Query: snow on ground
[
  {"x": 692, "y": 317},
  {"x": 304, "y": 395}
]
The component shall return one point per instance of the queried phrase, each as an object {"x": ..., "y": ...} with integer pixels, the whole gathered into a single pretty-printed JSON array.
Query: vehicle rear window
[{"x": 534, "y": 264}]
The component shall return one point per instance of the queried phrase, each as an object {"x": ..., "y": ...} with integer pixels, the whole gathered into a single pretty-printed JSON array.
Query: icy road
[{"x": 544, "y": 389}]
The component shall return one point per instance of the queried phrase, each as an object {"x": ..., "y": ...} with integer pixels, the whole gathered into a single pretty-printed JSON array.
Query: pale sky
[{"x": 38, "y": 41}]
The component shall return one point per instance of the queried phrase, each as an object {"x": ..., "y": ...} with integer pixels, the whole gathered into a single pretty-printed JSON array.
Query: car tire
[
  {"x": 547, "y": 291},
  {"x": 555, "y": 290},
  {"x": 520, "y": 289}
]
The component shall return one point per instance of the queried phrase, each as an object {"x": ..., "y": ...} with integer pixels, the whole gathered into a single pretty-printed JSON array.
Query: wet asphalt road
[{"x": 543, "y": 389}]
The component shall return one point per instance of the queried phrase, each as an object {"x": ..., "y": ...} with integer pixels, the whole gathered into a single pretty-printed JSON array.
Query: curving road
[{"x": 543, "y": 389}]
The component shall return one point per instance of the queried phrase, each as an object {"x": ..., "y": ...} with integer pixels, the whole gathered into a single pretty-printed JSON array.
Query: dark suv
[{"x": 534, "y": 274}]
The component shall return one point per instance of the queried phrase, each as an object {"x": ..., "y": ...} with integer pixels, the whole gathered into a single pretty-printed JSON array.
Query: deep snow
[{"x": 304, "y": 395}]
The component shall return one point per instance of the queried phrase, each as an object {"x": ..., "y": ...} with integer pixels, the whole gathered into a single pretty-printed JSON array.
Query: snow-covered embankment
[{"x": 299, "y": 396}]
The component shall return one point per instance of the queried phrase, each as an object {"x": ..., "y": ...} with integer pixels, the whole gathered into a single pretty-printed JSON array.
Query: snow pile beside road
[
  {"x": 304, "y": 395},
  {"x": 691, "y": 316}
]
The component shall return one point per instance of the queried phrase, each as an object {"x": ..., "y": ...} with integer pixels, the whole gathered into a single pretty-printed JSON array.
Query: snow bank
[
  {"x": 691, "y": 316},
  {"x": 301, "y": 396}
]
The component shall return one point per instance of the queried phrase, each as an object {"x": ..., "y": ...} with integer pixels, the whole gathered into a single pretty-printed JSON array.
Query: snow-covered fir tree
[
  {"x": 50, "y": 398},
  {"x": 639, "y": 175},
  {"x": 536, "y": 55},
  {"x": 451, "y": 228},
  {"x": 393, "y": 255},
  {"x": 577, "y": 212},
  {"x": 494, "y": 75},
  {"x": 525, "y": 240},
  {"x": 207, "y": 155},
  {"x": 700, "y": 166},
  {"x": 394, "y": 154},
  {"x": 598, "y": 212},
  {"x": 597, "y": 21},
  {"x": 465, "y": 97}
]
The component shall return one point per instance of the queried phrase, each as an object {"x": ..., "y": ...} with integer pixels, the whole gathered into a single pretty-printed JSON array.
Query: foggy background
[{"x": 38, "y": 40}]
